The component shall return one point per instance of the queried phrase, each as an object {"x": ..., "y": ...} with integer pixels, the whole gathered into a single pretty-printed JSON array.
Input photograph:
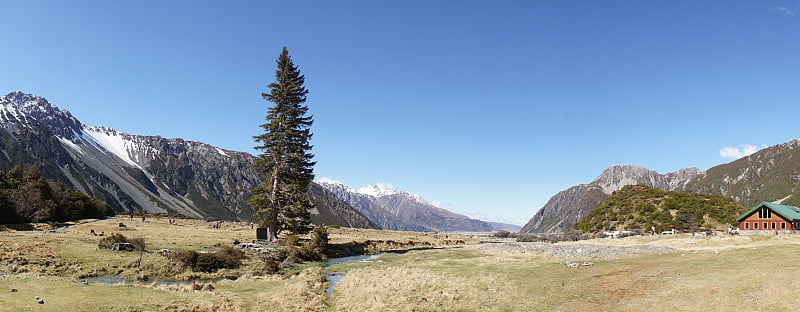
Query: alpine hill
[
  {"x": 771, "y": 174},
  {"x": 643, "y": 207}
]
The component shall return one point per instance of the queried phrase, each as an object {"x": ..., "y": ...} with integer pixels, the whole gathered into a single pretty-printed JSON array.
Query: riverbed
[{"x": 335, "y": 276}]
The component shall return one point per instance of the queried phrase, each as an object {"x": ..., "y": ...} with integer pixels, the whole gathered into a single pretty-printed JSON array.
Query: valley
[{"x": 456, "y": 272}]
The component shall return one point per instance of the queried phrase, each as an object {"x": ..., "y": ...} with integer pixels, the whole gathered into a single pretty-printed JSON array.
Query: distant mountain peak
[
  {"x": 394, "y": 209},
  {"x": 378, "y": 190},
  {"x": 28, "y": 102}
]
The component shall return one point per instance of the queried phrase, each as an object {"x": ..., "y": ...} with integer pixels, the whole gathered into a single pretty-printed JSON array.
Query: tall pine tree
[{"x": 280, "y": 201}]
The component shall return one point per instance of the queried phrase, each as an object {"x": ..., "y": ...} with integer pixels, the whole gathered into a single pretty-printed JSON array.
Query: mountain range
[
  {"x": 404, "y": 211},
  {"x": 194, "y": 179},
  {"x": 771, "y": 174}
]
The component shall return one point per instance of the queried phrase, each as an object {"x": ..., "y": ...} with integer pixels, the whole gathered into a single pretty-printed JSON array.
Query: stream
[
  {"x": 332, "y": 276},
  {"x": 119, "y": 279},
  {"x": 335, "y": 276}
]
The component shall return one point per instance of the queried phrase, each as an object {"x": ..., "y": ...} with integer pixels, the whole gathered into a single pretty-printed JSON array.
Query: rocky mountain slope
[
  {"x": 771, "y": 174},
  {"x": 572, "y": 204},
  {"x": 645, "y": 208},
  {"x": 404, "y": 211},
  {"x": 132, "y": 172}
]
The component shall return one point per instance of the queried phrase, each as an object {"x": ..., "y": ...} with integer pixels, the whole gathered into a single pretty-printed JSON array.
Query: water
[
  {"x": 335, "y": 276},
  {"x": 106, "y": 279},
  {"x": 343, "y": 260},
  {"x": 119, "y": 279}
]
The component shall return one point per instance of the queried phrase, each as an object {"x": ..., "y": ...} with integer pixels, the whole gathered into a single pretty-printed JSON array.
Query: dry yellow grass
[{"x": 704, "y": 273}]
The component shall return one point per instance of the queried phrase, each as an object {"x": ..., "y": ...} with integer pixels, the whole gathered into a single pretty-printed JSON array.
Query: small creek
[
  {"x": 335, "y": 276},
  {"x": 119, "y": 279},
  {"x": 332, "y": 276}
]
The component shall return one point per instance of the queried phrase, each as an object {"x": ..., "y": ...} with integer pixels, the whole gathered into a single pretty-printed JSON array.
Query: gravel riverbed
[{"x": 574, "y": 250}]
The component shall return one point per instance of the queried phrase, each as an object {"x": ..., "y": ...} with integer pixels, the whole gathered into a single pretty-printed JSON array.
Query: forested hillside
[
  {"x": 640, "y": 207},
  {"x": 25, "y": 196}
]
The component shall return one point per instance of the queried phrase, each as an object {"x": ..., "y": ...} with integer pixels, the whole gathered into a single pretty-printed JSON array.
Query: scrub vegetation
[
  {"x": 639, "y": 207},
  {"x": 426, "y": 272}
]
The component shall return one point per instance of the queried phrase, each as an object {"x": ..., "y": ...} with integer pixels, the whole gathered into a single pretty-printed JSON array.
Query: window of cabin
[
  {"x": 755, "y": 225},
  {"x": 783, "y": 225},
  {"x": 773, "y": 225},
  {"x": 746, "y": 226},
  {"x": 764, "y": 213},
  {"x": 765, "y": 226}
]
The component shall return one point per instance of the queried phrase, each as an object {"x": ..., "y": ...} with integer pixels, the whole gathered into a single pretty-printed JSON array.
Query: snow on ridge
[
  {"x": 8, "y": 108},
  {"x": 71, "y": 145},
  {"x": 780, "y": 201},
  {"x": 378, "y": 190},
  {"x": 327, "y": 180},
  {"x": 221, "y": 152},
  {"x": 110, "y": 140}
]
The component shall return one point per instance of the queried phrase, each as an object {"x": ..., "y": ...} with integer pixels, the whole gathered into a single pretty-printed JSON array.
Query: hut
[{"x": 769, "y": 218}]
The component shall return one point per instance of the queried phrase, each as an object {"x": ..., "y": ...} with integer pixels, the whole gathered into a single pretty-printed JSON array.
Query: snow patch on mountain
[
  {"x": 111, "y": 141},
  {"x": 71, "y": 145},
  {"x": 378, "y": 190}
]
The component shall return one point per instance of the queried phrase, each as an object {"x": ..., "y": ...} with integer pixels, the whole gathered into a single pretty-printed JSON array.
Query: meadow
[{"x": 450, "y": 273}]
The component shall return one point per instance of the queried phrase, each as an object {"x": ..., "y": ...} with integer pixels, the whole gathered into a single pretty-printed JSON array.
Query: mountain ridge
[
  {"x": 770, "y": 174},
  {"x": 568, "y": 206},
  {"x": 133, "y": 172},
  {"x": 405, "y": 211}
]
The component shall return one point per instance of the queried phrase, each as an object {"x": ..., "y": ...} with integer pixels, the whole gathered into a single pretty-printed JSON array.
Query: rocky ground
[{"x": 572, "y": 251}]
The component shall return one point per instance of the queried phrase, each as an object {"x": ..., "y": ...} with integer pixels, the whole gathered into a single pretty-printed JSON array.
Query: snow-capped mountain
[
  {"x": 132, "y": 172},
  {"x": 399, "y": 210}
]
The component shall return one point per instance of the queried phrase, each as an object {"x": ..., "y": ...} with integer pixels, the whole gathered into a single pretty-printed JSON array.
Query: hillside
[
  {"x": 771, "y": 174},
  {"x": 570, "y": 205},
  {"x": 138, "y": 173},
  {"x": 25, "y": 196},
  {"x": 640, "y": 207}
]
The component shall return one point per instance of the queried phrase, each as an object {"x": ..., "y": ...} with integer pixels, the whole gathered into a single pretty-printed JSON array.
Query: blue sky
[{"x": 487, "y": 107}]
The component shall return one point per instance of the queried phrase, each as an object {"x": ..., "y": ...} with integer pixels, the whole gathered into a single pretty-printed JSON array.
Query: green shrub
[
  {"x": 186, "y": 257},
  {"x": 208, "y": 262},
  {"x": 226, "y": 258}
]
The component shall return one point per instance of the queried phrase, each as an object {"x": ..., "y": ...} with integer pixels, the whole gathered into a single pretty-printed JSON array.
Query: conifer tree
[{"x": 280, "y": 201}]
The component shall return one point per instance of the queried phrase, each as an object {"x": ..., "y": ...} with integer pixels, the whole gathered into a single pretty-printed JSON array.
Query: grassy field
[{"x": 703, "y": 273}]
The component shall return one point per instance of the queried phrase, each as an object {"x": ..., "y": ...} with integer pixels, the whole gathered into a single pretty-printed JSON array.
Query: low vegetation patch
[
  {"x": 568, "y": 236},
  {"x": 108, "y": 242},
  {"x": 643, "y": 207},
  {"x": 209, "y": 262}
]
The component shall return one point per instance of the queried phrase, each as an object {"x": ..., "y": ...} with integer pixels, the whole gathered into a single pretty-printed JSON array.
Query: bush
[
  {"x": 502, "y": 233},
  {"x": 319, "y": 241},
  {"x": 272, "y": 265},
  {"x": 289, "y": 240},
  {"x": 209, "y": 263},
  {"x": 109, "y": 241},
  {"x": 226, "y": 258},
  {"x": 186, "y": 257},
  {"x": 138, "y": 243}
]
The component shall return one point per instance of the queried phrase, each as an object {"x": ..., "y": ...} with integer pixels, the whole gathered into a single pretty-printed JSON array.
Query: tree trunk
[{"x": 272, "y": 223}]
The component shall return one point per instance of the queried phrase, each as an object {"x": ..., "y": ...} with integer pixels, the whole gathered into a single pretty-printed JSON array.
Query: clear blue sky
[{"x": 489, "y": 107}]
